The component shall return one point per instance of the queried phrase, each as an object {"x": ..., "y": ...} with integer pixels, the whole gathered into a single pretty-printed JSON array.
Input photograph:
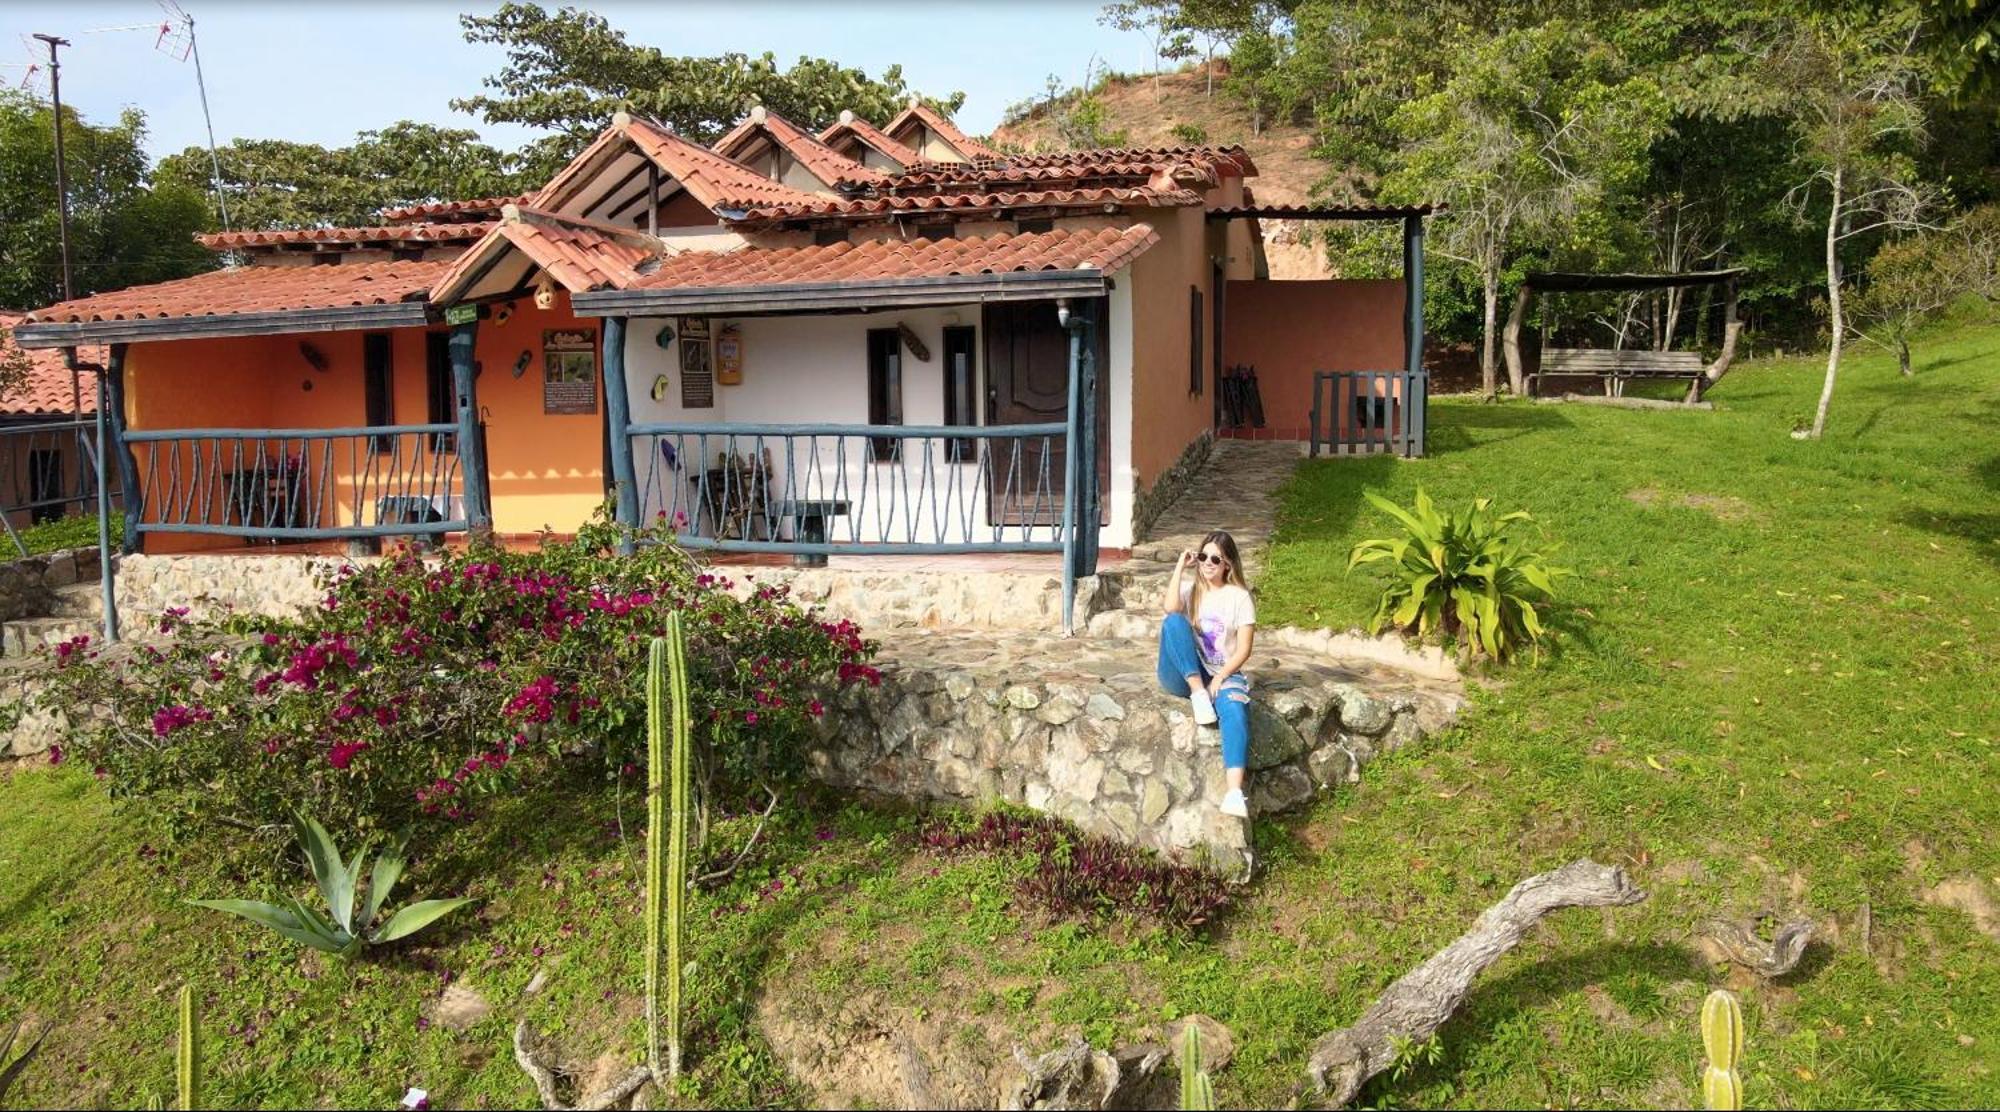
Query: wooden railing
[
  {"x": 1366, "y": 412},
  {"x": 47, "y": 469}
]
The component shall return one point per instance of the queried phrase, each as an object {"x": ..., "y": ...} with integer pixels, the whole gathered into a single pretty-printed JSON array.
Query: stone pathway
[{"x": 1237, "y": 491}]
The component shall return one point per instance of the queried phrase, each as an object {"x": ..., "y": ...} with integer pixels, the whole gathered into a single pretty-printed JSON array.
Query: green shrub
[
  {"x": 1470, "y": 575},
  {"x": 340, "y": 930},
  {"x": 75, "y": 531},
  {"x": 417, "y": 689},
  {"x": 1193, "y": 135}
]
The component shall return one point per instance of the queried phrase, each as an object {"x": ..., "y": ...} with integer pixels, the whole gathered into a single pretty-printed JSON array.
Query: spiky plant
[
  {"x": 667, "y": 779},
  {"x": 1197, "y": 1091},
  {"x": 1722, "y": 1038},
  {"x": 187, "y": 1055},
  {"x": 11, "y": 1067}
]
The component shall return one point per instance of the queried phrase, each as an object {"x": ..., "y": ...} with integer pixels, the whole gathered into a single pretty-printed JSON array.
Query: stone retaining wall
[
  {"x": 28, "y": 585},
  {"x": 1079, "y": 729}
]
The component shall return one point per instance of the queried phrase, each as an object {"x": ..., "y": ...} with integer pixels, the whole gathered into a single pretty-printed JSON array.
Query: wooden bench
[{"x": 1617, "y": 368}]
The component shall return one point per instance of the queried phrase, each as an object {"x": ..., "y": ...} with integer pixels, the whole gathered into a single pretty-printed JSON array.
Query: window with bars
[
  {"x": 378, "y": 386},
  {"x": 961, "y": 388},
  {"x": 885, "y": 390}
]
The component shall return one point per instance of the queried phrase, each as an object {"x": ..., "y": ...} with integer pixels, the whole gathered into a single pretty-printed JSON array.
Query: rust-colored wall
[
  {"x": 1288, "y": 330},
  {"x": 545, "y": 470},
  {"x": 1166, "y": 417}
]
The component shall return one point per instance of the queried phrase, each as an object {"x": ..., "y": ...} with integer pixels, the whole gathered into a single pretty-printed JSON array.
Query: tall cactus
[
  {"x": 667, "y": 778},
  {"x": 1722, "y": 1038},
  {"x": 187, "y": 1056},
  {"x": 1197, "y": 1091}
]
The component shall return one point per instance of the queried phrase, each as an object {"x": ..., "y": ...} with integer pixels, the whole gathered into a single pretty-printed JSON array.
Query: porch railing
[
  {"x": 47, "y": 469},
  {"x": 1366, "y": 412},
  {"x": 298, "y": 484},
  {"x": 819, "y": 490}
]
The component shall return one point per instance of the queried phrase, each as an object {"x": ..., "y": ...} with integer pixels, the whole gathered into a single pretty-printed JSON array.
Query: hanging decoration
[
  {"x": 665, "y": 337},
  {"x": 660, "y": 387},
  {"x": 911, "y": 341},
  {"x": 521, "y": 364},
  {"x": 314, "y": 357},
  {"x": 545, "y": 293}
]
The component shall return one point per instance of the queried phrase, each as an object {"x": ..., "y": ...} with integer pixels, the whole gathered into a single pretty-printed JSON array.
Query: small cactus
[
  {"x": 1722, "y": 1038},
  {"x": 187, "y": 1056},
  {"x": 1197, "y": 1091},
  {"x": 667, "y": 779}
]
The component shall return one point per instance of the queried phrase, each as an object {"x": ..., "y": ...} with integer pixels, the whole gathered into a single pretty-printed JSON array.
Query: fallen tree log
[
  {"x": 1623, "y": 403},
  {"x": 1423, "y": 999}
]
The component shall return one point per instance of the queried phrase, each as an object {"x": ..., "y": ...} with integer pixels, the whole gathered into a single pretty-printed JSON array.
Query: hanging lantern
[{"x": 545, "y": 293}]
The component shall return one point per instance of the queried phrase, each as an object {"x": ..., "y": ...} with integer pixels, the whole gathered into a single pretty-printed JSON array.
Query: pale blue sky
[{"x": 320, "y": 72}]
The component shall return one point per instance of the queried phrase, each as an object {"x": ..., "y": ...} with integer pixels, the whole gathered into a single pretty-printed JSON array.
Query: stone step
[
  {"x": 24, "y": 635},
  {"x": 79, "y": 600},
  {"x": 1078, "y": 727}
]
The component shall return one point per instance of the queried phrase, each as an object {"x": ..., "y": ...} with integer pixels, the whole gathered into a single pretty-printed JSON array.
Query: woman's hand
[
  {"x": 1187, "y": 557},
  {"x": 1215, "y": 687}
]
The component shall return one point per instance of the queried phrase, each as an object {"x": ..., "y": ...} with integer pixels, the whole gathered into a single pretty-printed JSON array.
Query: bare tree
[
  {"x": 1853, "y": 83},
  {"x": 1158, "y": 21}
]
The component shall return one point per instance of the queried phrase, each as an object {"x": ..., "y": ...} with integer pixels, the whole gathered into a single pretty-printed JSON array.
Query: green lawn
[{"x": 1802, "y": 636}]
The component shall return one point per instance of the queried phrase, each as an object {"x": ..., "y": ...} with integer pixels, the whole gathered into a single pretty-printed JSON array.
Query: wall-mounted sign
[
  {"x": 569, "y": 371},
  {"x": 697, "y": 377},
  {"x": 694, "y": 328},
  {"x": 461, "y": 314},
  {"x": 729, "y": 356}
]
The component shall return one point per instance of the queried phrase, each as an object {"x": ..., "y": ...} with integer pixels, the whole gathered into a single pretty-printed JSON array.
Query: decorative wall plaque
[{"x": 569, "y": 371}]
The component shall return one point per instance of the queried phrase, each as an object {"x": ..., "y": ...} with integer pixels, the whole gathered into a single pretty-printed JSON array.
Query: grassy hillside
[{"x": 1774, "y": 690}]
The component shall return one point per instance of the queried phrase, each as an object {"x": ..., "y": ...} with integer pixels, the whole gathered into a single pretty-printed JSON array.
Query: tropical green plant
[
  {"x": 1722, "y": 1038},
  {"x": 1469, "y": 575},
  {"x": 11, "y": 1067},
  {"x": 187, "y": 1055},
  {"x": 1197, "y": 1091},
  {"x": 666, "y": 847},
  {"x": 340, "y": 931}
]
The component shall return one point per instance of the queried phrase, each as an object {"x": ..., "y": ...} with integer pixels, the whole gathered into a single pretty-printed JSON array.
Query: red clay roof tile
[
  {"x": 1102, "y": 249},
  {"x": 46, "y": 391},
  {"x": 255, "y": 289},
  {"x": 966, "y": 203},
  {"x": 866, "y": 133},
  {"x": 482, "y": 208},
  {"x": 579, "y": 254},
  {"x": 919, "y": 112},
  {"x": 347, "y": 237},
  {"x": 819, "y": 160}
]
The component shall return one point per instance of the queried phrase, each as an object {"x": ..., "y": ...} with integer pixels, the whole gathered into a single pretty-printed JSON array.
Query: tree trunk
[
  {"x": 1834, "y": 316},
  {"x": 1732, "y": 327},
  {"x": 1512, "y": 340},
  {"x": 1903, "y": 355},
  {"x": 1489, "y": 375},
  {"x": 1675, "y": 296},
  {"x": 1413, "y": 1008}
]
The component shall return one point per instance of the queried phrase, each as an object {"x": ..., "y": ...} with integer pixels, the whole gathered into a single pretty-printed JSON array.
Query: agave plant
[
  {"x": 341, "y": 930},
  {"x": 1471, "y": 575}
]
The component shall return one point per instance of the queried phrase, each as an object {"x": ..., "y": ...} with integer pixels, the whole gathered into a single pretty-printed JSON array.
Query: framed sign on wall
[{"x": 569, "y": 371}]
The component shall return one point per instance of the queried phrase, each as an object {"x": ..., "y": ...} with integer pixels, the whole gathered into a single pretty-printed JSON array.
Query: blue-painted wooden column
[
  {"x": 617, "y": 422},
  {"x": 1417, "y": 405},
  {"x": 128, "y": 467},
  {"x": 106, "y": 571},
  {"x": 1084, "y": 321},
  {"x": 471, "y": 451},
  {"x": 1071, "y": 524}
]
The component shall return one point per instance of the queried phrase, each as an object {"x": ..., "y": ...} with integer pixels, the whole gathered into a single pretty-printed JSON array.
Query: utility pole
[{"x": 62, "y": 199}]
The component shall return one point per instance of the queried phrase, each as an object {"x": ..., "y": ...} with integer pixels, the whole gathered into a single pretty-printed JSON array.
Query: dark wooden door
[{"x": 1027, "y": 382}]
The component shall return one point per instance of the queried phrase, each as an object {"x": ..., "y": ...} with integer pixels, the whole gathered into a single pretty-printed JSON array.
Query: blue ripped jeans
[{"x": 1181, "y": 658}]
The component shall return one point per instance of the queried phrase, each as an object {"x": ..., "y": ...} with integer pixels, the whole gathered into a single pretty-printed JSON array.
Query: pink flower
[
  {"x": 55, "y": 754},
  {"x": 342, "y": 753},
  {"x": 168, "y": 719},
  {"x": 750, "y": 717}
]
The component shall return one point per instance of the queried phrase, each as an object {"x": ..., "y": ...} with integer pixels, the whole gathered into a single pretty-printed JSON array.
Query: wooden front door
[{"x": 1027, "y": 382}]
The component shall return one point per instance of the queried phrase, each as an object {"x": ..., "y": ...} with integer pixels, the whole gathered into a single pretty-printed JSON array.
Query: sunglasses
[{"x": 1205, "y": 558}]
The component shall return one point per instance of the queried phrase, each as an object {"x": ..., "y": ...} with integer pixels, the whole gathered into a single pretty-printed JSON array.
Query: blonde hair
[{"x": 1232, "y": 568}]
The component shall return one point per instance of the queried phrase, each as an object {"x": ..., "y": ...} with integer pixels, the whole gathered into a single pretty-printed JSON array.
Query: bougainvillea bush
[{"x": 422, "y": 685}]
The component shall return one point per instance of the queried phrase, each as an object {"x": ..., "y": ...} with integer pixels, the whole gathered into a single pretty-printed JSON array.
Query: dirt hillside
[{"x": 1148, "y": 108}]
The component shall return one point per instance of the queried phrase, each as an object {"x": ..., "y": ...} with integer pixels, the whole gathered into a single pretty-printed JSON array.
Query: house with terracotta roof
[
  {"x": 45, "y": 454},
  {"x": 866, "y": 340}
]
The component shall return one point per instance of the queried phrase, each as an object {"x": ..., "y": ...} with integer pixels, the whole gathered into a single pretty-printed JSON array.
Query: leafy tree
[
  {"x": 1850, "y": 82},
  {"x": 1533, "y": 138},
  {"x": 13, "y": 363},
  {"x": 274, "y": 183},
  {"x": 569, "y": 70},
  {"x": 1907, "y": 283},
  {"x": 123, "y": 227}
]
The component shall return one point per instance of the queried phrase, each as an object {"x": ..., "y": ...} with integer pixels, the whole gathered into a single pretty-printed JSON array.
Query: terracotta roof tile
[
  {"x": 919, "y": 112},
  {"x": 579, "y": 254},
  {"x": 819, "y": 160},
  {"x": 715, "y": 181},
  {"x": 866, "y": 133},
  {"x": 482, "y": 208},
  {"x": 1192, "y": 165},
  {"x": 348, "y": 237},
  {"x": 1101, "y": 249},
  {"x": 966, "y": 203},
  {"x": 46, "y": 392},
  {"x": 255, "y": 289}
]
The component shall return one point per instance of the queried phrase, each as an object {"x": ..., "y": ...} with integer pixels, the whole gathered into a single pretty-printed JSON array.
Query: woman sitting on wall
[{"x": 1205, "y": 640}]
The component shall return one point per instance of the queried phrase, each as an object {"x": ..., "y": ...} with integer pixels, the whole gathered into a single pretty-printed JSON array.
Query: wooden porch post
[
  {"x": 471, "y": 452},
  {"x": 1413, "y": 293},
  {"x": 618, "y": 419},
  {"x": 128, "y": 467},
  {"x": 1071, "y": 516},
  {"x": 1084, "y": 324},
  {"x": 106, "y": 572}
]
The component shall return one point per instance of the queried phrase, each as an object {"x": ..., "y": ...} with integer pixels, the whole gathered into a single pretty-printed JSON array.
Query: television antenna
[{"x": 174, "y": 37}]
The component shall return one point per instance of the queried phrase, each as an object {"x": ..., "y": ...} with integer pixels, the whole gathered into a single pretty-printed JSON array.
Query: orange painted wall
[
  {"x": 545, "y": 470},
  {"x": 1166, "y": 417},
  {"x": 1288, "y": 330}
]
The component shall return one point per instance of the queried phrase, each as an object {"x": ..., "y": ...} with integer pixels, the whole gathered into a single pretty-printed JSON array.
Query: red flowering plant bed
[{"x": 422, "y": 686}]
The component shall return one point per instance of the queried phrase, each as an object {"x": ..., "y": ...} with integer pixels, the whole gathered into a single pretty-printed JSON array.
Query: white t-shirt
[{"x": 1224, "y": 611}]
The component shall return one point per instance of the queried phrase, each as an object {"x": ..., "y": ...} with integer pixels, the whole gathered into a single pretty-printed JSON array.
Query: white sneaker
[
  {"x": 1204, "y": 707},
  {"x": 1235, "y": 805}
]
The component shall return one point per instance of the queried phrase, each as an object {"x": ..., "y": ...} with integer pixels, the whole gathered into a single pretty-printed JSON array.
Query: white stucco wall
[{"x": 814, "y": 369}]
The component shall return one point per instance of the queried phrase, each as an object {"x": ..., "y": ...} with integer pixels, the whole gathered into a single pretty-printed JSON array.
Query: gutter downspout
[{"x": 106, "y": 570}]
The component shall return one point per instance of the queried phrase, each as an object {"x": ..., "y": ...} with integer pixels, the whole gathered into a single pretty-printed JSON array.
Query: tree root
[
  {"x": 1420, "y": 1002},
  {"x": 617, "y": 1093},
  {"x": 1738, "y": 940}
]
